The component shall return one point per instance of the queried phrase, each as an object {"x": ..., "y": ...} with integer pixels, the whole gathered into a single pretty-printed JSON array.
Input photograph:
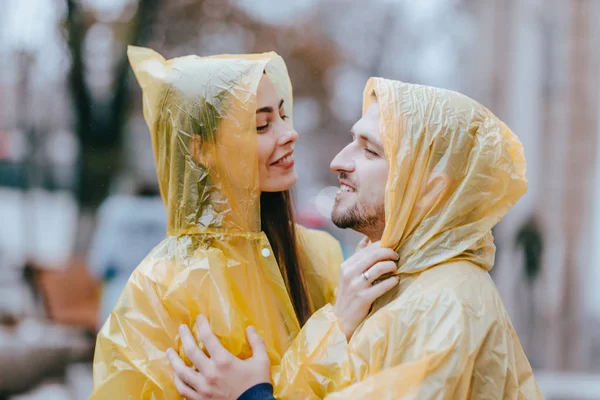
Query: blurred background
[{"x": 78, "y": 200}]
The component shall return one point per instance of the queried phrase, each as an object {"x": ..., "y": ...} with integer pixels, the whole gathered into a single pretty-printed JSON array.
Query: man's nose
[{"x": 343, "y": 161}]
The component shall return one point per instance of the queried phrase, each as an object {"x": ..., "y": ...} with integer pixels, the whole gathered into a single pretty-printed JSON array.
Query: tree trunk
[{"x": 99, "y": 125}]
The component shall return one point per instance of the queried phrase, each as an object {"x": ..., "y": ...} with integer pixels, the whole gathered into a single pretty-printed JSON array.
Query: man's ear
[{"x": 436, "y": 188}]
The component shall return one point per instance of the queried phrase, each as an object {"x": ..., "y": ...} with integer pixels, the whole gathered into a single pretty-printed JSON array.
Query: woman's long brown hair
[{"x": 277, "y": 221}]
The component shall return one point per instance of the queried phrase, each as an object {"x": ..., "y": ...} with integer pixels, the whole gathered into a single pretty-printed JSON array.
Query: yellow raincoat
[
  {"x": 443, "y": 332},
  {"x": 215, "y": 259}
]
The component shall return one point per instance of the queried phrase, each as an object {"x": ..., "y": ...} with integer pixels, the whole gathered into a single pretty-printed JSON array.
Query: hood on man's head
[
  {"x": 455, "y": 171},
  {"x": 201, "y": 112}
]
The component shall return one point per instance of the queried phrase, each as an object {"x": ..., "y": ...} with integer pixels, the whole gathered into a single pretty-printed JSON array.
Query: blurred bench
[{"x": 71, "y": 296}]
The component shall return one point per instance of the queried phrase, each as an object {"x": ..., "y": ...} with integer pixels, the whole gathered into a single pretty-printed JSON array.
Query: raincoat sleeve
[
  {"x": 317, "y": 362},
  {"x": 422, "y": 348},
  {"x": 395, "y": 344},
  {"x": 130, "y": 360},
  {"x": 416, "y": 350}
]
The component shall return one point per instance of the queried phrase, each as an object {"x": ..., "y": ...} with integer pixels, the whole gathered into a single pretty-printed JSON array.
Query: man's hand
[
  {"x": 356, "y": 292},
  {"x": 222, "y": 376}
]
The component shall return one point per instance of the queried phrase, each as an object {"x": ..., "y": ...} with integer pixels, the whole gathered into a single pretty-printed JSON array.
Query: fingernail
[
  {"x": 182, "y": 330},
  {"x": 252, "y": 329}
]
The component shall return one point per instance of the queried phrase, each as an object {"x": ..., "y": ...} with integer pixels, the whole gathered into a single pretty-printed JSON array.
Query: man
[{"x": 428, "y": 173}]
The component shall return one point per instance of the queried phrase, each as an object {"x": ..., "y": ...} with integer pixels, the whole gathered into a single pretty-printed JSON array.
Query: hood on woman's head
[
  {"x": 201, "y": 115},
  {"x": 455, "y": 170}
]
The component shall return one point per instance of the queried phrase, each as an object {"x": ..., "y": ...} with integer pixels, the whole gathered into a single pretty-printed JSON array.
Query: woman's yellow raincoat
[
  {"x": 443, "y": 332},
  {"x": 215, "y": 260}
]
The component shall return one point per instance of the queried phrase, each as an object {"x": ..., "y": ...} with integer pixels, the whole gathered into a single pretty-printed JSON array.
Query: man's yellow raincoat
[
  {"x": 215, "y": 260},
  {"x": 443, "y": 332}
]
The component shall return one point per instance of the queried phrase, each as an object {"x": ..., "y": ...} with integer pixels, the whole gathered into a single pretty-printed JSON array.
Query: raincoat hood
[
  {"x": 455, "y": 171},
  {"x": 201, "y": 115}
]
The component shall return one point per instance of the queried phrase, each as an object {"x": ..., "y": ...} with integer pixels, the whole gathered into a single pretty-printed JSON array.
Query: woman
[{"x": 223, "y": 146}]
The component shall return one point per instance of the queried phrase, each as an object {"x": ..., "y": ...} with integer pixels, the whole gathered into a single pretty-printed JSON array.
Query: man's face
[{"x": 363, "y": 172}]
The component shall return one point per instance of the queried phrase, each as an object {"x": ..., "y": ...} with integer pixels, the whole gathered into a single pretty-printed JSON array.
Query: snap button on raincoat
[
  {"x": 215, "y": 260},
  {"x": 455, "y": 170}
]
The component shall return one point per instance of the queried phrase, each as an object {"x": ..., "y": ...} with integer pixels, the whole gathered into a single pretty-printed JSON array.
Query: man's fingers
[
  {"x": 185, "y": 373},
  {"x": 196, "y": 356},
  {"x": 187, "y": 392},
  {"x": 212, "y": 343},
  {"x": 257, "y": 344},
  {"x": 376, "y": 291}
]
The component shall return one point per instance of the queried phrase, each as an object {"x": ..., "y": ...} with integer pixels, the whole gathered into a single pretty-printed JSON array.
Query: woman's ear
[
  {"x": 436, "y": 189},
  {"x": 201, "y": 151}
]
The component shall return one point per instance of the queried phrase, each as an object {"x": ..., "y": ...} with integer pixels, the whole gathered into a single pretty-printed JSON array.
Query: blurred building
[{"x": 544, "y": 82}]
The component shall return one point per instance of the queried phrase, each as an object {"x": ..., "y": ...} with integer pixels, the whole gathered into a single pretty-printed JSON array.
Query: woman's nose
[{"x": 288, "y": 136}]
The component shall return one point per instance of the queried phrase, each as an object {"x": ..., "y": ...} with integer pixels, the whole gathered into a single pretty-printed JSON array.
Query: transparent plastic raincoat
[
  {"x": 215, "y": 260},
  {"x": 443, "y": 332}
]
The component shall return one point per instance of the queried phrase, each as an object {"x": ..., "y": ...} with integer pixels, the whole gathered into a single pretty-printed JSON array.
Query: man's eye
[
  {"x": 262, "y": 128},
  {"x": 284, "y": 117},
  {"x": 371, "y": 152}
]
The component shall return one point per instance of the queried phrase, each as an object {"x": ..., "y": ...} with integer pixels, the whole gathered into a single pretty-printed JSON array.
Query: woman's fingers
[
  {"x": 380, "y": 269},
  {"x": 373, "y": 255},
  {"x": 376, "y": 291},
  {"x": 366, "y": 279}
]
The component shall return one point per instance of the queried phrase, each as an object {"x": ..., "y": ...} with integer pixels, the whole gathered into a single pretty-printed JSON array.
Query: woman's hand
[
  {"x": 222, "y": 376},
  {"x": 356, "y": 291}
]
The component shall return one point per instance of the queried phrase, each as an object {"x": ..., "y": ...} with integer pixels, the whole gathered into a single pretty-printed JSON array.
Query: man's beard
[{"x": 358, "y": 217}]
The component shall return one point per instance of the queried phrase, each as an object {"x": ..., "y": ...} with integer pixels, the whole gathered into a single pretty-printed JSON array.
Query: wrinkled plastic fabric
[
  {"x": 215, "y": 260},
  {"x": 442, "y": 332}
]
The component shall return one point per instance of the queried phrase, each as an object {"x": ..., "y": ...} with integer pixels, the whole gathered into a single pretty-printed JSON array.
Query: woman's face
[{"x": 276, "y": 140}]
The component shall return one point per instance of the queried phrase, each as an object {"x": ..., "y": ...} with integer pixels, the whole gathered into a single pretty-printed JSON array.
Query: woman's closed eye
[{"x": 265, "y": 127}]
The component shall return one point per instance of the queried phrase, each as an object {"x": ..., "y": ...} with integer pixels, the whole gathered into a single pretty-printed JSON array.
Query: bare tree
[{"x": 99, "y": 124}]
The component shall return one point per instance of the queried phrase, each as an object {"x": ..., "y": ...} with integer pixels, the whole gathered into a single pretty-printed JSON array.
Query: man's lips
[
  {"x": 346, "y": 187},
  {"x": 347, "y": 183}
]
